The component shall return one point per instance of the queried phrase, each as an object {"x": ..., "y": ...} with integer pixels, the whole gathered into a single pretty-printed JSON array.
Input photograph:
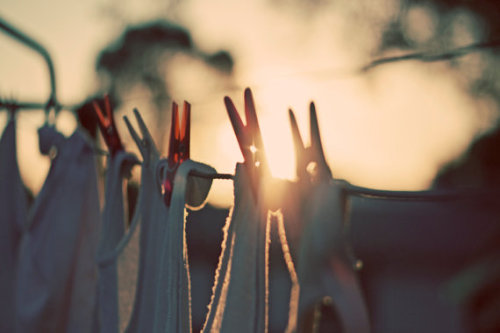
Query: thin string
[
  {"x": 432, "y": 57},
  {"x": 224, "y": 176},
  {"x": 163, "y": 169},
  {"x": 429, "y": 195},
  {"x": 295, "y": 289},
  {"x": 267, "y": 243}
]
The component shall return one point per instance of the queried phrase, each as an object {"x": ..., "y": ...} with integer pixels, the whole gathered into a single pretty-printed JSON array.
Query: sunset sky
[{"x": 391, "y": 128}]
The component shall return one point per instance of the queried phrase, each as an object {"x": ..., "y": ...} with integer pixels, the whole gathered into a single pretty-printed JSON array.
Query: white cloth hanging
[
  {"x": 159, "y": 256},
  {"x": 12, "y": 223},
  {"x": 324, "y": 269},
  {"x": 112, "y": 232},
  {"x": 152, "y": 214},
  {"x": 239, "y": 299},
  {"x": 57, "y": 271},
  {"x": 173, "y": 307}
]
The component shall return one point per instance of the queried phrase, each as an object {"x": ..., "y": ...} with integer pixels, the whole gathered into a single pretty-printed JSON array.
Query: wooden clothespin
[
  {"x": 249, "y": 139},
  {"x": 145, "y": 141},
  {"x": 178, "y": 150},
  {"x": 107, "y": 125},
  {"x": 310, "y": 161}
]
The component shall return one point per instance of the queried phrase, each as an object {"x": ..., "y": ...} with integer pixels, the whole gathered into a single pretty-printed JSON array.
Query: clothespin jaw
[
  {"x": 145, "y": 143},
  {"x": 310, "y": 161},
  {"x": 178, "y": 150},
  {"x": 107, "y": 125},
  {"x": 249, "y": 139}
]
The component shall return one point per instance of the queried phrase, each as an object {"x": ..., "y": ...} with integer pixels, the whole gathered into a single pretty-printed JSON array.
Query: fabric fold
[
  {"x": 324, "y": 268},
  {"x": 152, "y": 216},
  {"x": 112, "y": 233},
  {"x": 173, "y": 305},
  {"x": 13, "y": 205},
  {"x": 239, "y": 300},
  {"x": 57, "y": 272}
]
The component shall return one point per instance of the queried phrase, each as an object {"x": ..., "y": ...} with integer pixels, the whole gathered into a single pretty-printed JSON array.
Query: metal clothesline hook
[{"x": 52, "y": 103}]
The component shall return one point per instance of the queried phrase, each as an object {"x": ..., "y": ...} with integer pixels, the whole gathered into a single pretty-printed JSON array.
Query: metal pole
[{"x": 37, "y": 47}]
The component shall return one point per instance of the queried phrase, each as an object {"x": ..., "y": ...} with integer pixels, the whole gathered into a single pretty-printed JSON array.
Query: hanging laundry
[
  {"x": 13, "y": 206},
  {"x": 57, "y": 272},
  {"x": 117, "y": 257},
  {"x": 173, "y": 305},
  {"x": 128, "y": 253},
  {"x": 152, "y": 216},
  {"x": 163, "y": 252},
  {"x": 110, "y": 244},
  {"x": 239, "y": 301},
  {"x": 324, "y": 268},
  {"x": 173, "y": 302},
  {"x": 240, "y": 295}
]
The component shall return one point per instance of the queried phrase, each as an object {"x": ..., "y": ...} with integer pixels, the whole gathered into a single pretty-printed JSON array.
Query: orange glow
[{"x": 390, "y": 128}]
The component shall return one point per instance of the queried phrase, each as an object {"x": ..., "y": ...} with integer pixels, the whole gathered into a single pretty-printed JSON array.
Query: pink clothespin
[
  {"x": 310, "y": 161},
  {"x": 249, "y": 139},
  {"x": 178, "y": 150},
  {"x": 108, "y": 127}
]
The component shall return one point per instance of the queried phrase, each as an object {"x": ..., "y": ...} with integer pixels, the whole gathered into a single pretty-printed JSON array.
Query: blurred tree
[
  {"x": 136, "y": 56},
  {"x": 479, "y": 166},
  {"x": 439, "y": 25},
  {"x": 140, "y": 57}
]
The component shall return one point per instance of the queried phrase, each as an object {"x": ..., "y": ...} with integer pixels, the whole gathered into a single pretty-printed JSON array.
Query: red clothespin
[
  {"x": 178, "y": 150},
  {"x": 249, "y": 138},
  {"x": 108, "y": 127},
  {"x": 310, "y": 161}
]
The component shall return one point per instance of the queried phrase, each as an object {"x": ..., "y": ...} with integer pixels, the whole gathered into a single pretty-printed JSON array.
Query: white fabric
[
  {"x": 128, "y": 271},
  {"x": 57, "y": 272},
  {"x": 162, "y": 242},
  {"x": 323, "y": 265},
  {"x": 152, "y": 214},
  {"x": 239, "y": 299},
  {"x": 12, "y": 224},
  {"x": 173, "y": 310},
  {"x": 112, "y": 232}
]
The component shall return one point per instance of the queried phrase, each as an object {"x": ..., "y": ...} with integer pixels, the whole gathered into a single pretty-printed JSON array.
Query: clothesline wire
[
  {"x": 12, "y": 105},
  {"x": 199, "y": 174},
  {"x": 427, "y": 195},
  {"x": 353, "y": 190}
]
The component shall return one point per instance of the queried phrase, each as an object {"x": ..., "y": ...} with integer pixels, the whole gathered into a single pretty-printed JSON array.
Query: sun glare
[{"x": 278, "y": 146}]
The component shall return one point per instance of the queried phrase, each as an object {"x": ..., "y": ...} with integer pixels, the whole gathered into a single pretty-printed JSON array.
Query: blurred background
[
  {"x": 392, "y": 127},
  {"x": 403, "y": 125}
]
